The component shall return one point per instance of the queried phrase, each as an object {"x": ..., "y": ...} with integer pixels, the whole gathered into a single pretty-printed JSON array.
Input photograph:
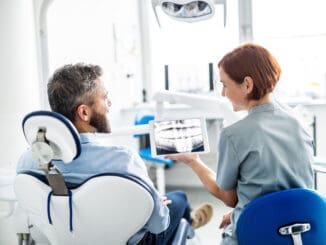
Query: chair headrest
[{"x": 61, "y": 139}]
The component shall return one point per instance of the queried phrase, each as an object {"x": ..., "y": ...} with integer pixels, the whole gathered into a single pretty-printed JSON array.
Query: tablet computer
[{"x": 178, "y": 136}]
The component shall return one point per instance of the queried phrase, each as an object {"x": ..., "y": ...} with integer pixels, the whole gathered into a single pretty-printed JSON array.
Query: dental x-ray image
[{"x": 178, "y": 136}]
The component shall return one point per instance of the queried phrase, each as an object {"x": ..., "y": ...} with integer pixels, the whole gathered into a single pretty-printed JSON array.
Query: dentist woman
[{"x": 266, "y": 151}]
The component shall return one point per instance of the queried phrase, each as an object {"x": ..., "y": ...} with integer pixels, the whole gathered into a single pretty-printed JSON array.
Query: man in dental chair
[{"x": 78, "y": 93}]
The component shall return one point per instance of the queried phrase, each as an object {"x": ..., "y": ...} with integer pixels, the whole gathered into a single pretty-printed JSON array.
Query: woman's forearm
[{"x": 208, "y": 178}]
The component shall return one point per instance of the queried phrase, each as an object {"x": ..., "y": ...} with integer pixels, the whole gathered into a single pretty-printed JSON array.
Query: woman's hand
[
  {"x": 185, "y": 158},
  {"x": 226, "y": 220}
]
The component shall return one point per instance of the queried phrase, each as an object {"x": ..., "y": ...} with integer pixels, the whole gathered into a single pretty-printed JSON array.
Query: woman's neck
[{"x": 264, "y": 100}]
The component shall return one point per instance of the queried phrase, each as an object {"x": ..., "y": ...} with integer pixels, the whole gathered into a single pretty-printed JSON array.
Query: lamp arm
[
  {"x": 224, "y": 8},
  {"x": 154, "y": 4},
  {"x": 211, "y": 104}
]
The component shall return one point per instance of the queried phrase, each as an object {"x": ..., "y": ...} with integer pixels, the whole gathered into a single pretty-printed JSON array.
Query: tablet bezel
[{"x": 153, "y": 142}]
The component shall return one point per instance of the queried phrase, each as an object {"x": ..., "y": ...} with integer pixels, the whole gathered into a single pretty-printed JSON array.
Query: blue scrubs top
[
  {"x": 268, "y": 150},
  {"x": 96, "y": 158}
]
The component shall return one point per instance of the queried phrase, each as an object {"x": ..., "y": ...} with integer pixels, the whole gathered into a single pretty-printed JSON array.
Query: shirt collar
[
  {"x": 264, "y": 107},
  {"x": 87, "y": 137}
]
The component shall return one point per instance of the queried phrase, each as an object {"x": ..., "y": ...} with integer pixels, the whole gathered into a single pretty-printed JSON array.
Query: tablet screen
[{"x": 178, "y": 136}]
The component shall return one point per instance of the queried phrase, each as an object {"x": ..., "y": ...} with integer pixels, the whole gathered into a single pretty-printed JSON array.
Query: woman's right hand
[{"x": 185, "y": 158}]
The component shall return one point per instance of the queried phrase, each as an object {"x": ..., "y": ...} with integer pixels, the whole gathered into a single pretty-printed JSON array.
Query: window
[{"x": 295, "y": 32}]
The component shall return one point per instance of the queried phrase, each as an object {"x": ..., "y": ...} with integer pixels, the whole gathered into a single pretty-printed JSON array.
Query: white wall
[{"x": 19, "y": 93}]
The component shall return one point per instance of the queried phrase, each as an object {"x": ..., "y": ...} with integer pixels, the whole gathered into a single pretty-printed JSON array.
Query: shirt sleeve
[
  {"x": 160, "y": 218},
  {"x": 26, "y": 163},
  {"x": 228, "y": 163}
]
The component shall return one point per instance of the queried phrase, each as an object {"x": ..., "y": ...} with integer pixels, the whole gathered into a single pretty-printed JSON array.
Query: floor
[{"x": 210, "y": 233}]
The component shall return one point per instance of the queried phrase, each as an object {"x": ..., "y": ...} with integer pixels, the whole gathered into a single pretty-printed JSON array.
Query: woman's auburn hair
[{"x": 256, "y": 62}]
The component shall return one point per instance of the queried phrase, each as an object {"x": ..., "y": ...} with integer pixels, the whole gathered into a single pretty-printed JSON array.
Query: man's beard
[{"x": 100, "y": 122}]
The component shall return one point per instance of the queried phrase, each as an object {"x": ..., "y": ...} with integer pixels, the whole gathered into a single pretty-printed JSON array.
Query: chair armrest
[{"x": 184, "y": 231}]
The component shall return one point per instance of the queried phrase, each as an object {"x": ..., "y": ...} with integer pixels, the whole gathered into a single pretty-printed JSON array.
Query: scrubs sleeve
[
  {"x": 228, "y": 163},
  {"x": 160, "y": 218}
]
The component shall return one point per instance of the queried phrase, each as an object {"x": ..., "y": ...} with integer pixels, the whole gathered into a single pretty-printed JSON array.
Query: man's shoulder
[
  {"x": 26, "y": 161},
  {"x": 121, "y": 150}
]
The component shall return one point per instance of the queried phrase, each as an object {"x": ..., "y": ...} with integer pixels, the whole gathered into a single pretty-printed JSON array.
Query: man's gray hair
[{"x": 72, "y": 85}]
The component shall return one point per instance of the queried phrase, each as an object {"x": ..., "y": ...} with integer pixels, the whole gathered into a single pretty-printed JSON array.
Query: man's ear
[
  {"x": 83, "y": 112},
  {"x": 249, "y": 84}
]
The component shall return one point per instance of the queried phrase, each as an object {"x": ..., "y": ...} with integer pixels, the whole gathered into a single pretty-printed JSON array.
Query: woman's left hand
[{"x": 226, "y": 220}]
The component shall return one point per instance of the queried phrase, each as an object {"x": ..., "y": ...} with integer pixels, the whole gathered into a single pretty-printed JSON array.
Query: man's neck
[{"x": 83, "y": 127}]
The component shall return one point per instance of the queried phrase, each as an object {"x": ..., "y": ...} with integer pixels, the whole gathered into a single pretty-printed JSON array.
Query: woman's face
[{"x": 236, "y": 93}]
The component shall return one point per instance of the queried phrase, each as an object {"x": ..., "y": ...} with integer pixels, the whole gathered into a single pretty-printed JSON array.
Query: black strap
[{"x": 56, "y": 180}]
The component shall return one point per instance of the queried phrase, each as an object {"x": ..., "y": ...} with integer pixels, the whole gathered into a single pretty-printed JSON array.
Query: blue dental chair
[
  {"x": 145, "y": 153},
  {"x": 288, "y": 217},
  {"x": 105, "y": 209}
]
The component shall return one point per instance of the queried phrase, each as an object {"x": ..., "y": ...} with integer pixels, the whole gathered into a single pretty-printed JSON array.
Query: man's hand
[{"x": 165, "y": 200}]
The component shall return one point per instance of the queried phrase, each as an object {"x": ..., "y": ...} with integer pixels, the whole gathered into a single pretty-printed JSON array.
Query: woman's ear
[
  {"x": 83, "y": 112},
  {"x": 249, "y": 84}
]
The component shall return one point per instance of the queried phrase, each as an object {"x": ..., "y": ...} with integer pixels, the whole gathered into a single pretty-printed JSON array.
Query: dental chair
[
  {"x": 288, "y": 217},
  {"x": 105, "y": 209}
]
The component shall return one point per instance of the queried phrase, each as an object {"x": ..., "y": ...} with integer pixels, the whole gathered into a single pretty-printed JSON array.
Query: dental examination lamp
[{"x": 188, "y": 10}]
